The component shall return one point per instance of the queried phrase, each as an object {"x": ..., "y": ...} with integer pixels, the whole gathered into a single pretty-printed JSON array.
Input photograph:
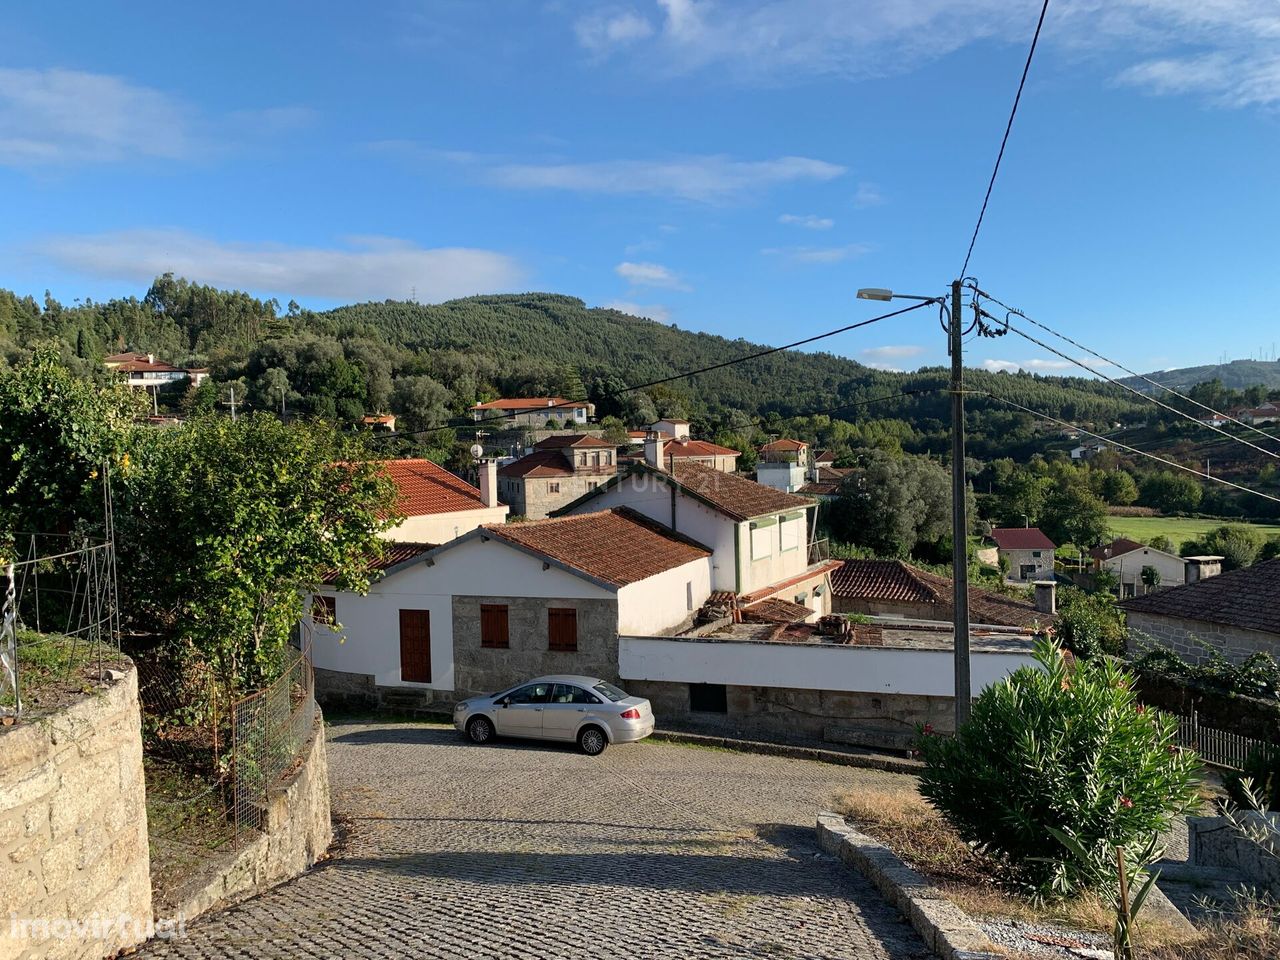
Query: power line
[
  {"x": 677, "y": 376},
  {"x": 1117, "y": 443},
  {"x": 1005, "y": 140},
  {"x": 1120, "y": 366},
  {"x": 1145, "y": 396}
]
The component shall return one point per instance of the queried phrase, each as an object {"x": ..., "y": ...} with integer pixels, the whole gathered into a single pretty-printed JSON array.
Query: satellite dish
[{"x": 477, "y": 450}]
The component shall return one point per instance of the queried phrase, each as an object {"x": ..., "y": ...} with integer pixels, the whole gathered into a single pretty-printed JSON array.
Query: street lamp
[{"x": 959, "y": 521}]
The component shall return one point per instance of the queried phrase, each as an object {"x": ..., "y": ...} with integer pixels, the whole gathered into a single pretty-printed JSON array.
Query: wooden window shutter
[
  {"x": 415, "y": 646},
  {"x": 494, "y": 626},
  {"x": 562, "y": 628}
]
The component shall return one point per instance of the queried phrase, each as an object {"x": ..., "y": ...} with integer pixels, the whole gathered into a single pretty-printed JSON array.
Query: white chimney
[
  {"x": 653, "y": 447},
  {"x": 489, "y": 482},
  {"x": 1046, "y": 597},
  {"x": 1201, "y": 568}
]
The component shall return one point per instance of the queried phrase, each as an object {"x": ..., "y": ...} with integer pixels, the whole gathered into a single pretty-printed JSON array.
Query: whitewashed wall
[
  {"x": 1128, "y": 567},
  {"x": 808, "y": 666},
  {"x": 778, "y": 565},
  {"x": 443, "y": 527},
  {"x": 661, "y": 602}
]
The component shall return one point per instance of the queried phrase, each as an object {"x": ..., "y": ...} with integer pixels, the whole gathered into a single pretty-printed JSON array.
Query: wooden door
[{"x": 415, "y": 646}]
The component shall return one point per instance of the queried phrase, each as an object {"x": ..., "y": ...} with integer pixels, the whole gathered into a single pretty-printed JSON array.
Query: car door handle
[
  {"x": 537, "y": 709},
  {"x": 582, "y": 709}
]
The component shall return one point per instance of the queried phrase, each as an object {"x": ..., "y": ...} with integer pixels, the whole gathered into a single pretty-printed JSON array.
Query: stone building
[
  {"x": 558, "y": 471},
  {"x": 1028, "y": 550},
  {"x": 1236, "y": 614}
]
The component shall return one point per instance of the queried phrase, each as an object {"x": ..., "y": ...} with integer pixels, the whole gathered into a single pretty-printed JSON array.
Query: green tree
[
  {"x": 423, "y": 402},
  {"x": 1117, "y": 487},
  {"x": 56, "y": 433},
  {"x": 1237, "y": 543},
  {"x": 893, "y": 504},
  {"x": 1090, "y": 624},
  {"x": 1161, "y": 542},
  {"x": 1075, "y": 515},
  {"x": 1170, "y": 492},
  {"x": 223, "y": 527},
  {"x": 614, "y": 430}
]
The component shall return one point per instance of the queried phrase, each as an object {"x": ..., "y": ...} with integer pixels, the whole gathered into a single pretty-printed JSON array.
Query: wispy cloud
[
  {"x": 818, "y": 254},
  {"x": 600, "y": 33},
  {"x": 365, "y": 268},
  {"x": 713, "y": 178},
  {"x": 65, "y": 117},
  {"x": 867, "y": 195},
  {"x": 894, "y": 351},
  {"x": 650, "y": 275},
  {"x": 1035, "y": 365},
  {"x": 651, "y": 311},
  {"x": 808, "y": 221},
  {"x": 1240, "y": 81},
  {"x": 887, "y": 367}
]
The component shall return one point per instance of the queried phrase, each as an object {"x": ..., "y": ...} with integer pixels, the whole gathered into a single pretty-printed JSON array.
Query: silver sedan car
[{"x": 588, "y": 710}]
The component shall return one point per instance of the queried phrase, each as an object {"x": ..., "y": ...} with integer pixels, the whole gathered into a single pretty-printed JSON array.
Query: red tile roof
[
  {"x": 682, "y": 449},
  {"x": 1115, "y": 548},
  {"x": 892, "y": 581},
  {"x": 123, "y": 357},
  {"x": 571, "y": 440},
  {"x": 1242, "y": 598},
  {"x": 530, "y": 403},
  {"x": 146, "y": 366},
  {"x": 393, "y": 554},
  {"x": 776, "y": 610},
  {"x": 540, "y": 463},
  {"x": 784, "y": 445},
  {"x": 424, "y": 488},
  {"x": 618, "y": 546},
  {"x": 824, "y": 456},
  {"x": 1021, "y": 538},
  {"x": 736, "y": 497}
]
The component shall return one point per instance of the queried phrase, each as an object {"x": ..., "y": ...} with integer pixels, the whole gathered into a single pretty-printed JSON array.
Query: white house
[
  {"x": 438, "y": 506},
  {"x": 504, "y": 602},
  {"x": 783, "y": 465},
  {"x": 759, "y": 537},
  {"x": 1029, "y": 552},
  {"x": 1128, "y": 561},
  {"x": 534, "y": 411}
]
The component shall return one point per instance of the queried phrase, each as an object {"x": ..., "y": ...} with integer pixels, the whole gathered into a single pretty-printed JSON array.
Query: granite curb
[
  {"x": 846, "y": 758},
  {"x": 947, "y": 929}
]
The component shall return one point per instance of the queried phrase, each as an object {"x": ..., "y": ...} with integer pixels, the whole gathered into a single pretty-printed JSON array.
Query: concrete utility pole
[
  {"x": 959, "y": 518},
  {"x": 233, "y": 404}
]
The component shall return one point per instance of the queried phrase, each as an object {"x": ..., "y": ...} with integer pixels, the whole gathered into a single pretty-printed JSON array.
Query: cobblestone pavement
[{"x": 526, "y": 850}]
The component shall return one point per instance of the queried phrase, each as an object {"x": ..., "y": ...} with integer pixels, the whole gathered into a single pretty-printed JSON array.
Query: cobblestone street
[{"x": 534, "y": 851}]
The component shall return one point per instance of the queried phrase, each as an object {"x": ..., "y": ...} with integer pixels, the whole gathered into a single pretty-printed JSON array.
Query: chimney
[
  {"x": 1046, "y": 597},
  {"x": 1201, "y": 568},
  {"x": 653, "y": 447},
  {"x": 489, "y": 482}
]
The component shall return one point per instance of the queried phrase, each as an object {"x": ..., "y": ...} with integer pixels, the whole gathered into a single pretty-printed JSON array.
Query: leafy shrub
[
  {"x": 1262, "y": 769},
  {"x": 1065, "y": 746},
  {"x": 1090, "y": 624},
  {"x": 1257, "y": 676}
]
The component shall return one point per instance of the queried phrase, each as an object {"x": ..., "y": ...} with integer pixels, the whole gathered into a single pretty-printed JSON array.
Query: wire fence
[{"x": 1219, "y": 748}]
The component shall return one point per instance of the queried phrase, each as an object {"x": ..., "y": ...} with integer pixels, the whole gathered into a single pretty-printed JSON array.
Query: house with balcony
[
  {"x": 142, "y": 371},
  {"x": 784, "y": 464},
  {"x": 558, "y": 470},
  {"x": 534, "y": 412}
]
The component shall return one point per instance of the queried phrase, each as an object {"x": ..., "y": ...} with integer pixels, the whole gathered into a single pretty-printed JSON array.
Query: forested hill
[
  {"x": 1236, "y": 375},
  {"x": 428, "y": 363}
]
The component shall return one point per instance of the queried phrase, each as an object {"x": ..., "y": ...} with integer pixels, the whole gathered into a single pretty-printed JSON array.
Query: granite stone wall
[{"x": 1180, "y": 636}]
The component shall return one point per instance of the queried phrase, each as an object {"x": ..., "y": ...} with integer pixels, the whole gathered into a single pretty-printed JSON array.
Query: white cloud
[
  {"x": 1036, "y": 365},
  {"x": 818, "y": 254},
  {"x": 63, "y": 117},
  {"x": 887, "y": 367},
  {"x": 868, "y": 195},
  {"x": 367, "y": 268},
  {"x": 808, "y": 221},
  {"x": 894, "y": 352},
  {"x": 651, "y": 311},
  {"x": 712, "y": 178},
  {"x": 650, "y": 275},
  {"x": 600, "y": 32},
  {"x": 996, "y": 366}
]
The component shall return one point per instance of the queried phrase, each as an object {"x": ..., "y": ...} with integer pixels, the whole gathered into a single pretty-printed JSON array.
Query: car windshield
[{"x": 610, "y": 692}]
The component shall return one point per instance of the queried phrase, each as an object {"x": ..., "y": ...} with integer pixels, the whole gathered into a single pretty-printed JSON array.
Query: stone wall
[
  {"x": 296, "y": 831},
  {"x": 73, "y": 829},
  {"x": 1180, "y": 636},
  {"x": 480, "y": 670},
  {"x": 777, "y": 712},
  {"x": 1214, "y": 842}
]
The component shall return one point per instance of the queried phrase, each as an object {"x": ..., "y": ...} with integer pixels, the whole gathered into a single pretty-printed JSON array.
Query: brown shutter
[
  {"x": 562, "y": 628},
  {"x": 415, "y": 646},
  {"x": 493, "y": 626}
]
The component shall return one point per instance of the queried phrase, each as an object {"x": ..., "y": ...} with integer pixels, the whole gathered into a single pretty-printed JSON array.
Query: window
[
  {"x": 568, "y": 693},
  {"x": 792, "y": 533},
  {"x": 415, "y": 646},
  {"x": 708, "y": 698},
  {"x": 493, "y": 626},
  {"x": 324, "y": 609},
  {"x": 553, "y": 487},
  {"x": 592, "y": 484},
  {"x": 533, "y": 693},
  {"x": 562, "y": 628},
  {"x": 688, "y": 594},
  {"x": 609, "y": 691},
  {"x": 1035, "y": 553},
  {"x": 761, "y": 542},
  {"x": 595, "y": 459}
]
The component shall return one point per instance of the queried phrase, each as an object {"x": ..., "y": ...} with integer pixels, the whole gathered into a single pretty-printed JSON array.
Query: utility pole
[
  {"x": 959, "y": 519},
  {"x": 233, "y": 404}
]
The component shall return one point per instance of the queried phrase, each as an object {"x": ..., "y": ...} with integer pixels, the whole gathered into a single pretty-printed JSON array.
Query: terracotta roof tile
[
  {"x": 529, "y": 403},
  {"x": 571, "y": 440},
  {"x": 393, "y": 554},
  {"x": 1115, "y": 548},
  {"x": 784, "y": 445},
  {"x": 1242, "y": 598},
  {"x": 540, "y": 463},
  {"x": 424, "y": 488},
  {"x": 733, "y": 496},
  {"x": 618, "y": 546},
  {"x": 776, "y": 610},
  {"x": 680, "y": 449},
  {"x": 1021, "y": 538}
]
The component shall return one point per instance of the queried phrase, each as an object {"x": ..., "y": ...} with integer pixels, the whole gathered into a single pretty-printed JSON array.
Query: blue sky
[{"x": 735, "y": 167}]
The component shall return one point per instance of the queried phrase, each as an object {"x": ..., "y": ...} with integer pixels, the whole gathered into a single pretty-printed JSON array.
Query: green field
[{"x": 1176, "y": 529}]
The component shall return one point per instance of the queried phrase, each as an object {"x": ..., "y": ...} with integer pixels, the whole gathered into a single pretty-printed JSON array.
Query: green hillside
[{"x": 1236, "y": 375}]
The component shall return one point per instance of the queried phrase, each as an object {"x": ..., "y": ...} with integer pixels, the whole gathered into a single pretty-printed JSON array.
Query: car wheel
[
  {"x": 480, "y": 730},
  {"x": 592, "y": 741}
]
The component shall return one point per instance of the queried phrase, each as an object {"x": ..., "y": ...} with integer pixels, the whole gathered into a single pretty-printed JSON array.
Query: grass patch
[
  {"x": 54, "y": 670},
  {"x": 187, "y": 825},
  {"x": 1177, "y": 529},
  {"x": 905, "y": 822}
]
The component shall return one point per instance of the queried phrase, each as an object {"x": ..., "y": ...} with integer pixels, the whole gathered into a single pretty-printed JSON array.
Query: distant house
[
  {"x": 783, "y": 465},
  {"x": 559, "y": 470},
  {"x": 896, "y": 589},
  {"x": 379, "y": 422},
  {"x": 502, "y": 603},
  {"x": 1268, "y": 412},
  {"x": 1235, "y": 614},
  {"x": 1127, "y": 560},
  {"x": 759, "y": 536},
  {"x": 1029, "y": 551},
  {"x": 1089, "y": 450},
  {"x": 436, "y": 505},
  {"x": 824, "y": 458},
  {"x": 534, "y": 411},
  {"x": 823, "y": 482},
  {"x": 142, "y": 371},
  {"x": 659, "y": 447}
]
